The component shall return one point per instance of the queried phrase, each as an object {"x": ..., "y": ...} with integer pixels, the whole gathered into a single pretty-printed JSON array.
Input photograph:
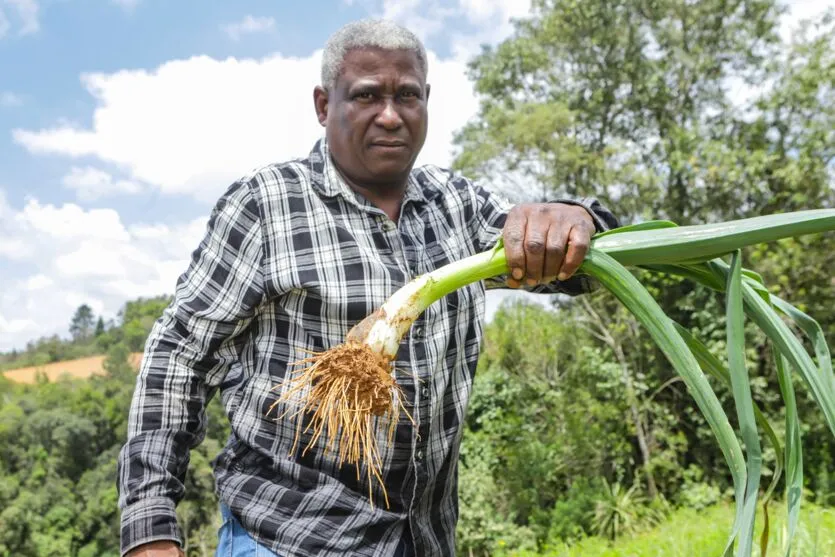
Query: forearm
[
  {"x": 165, "y": 422},
  {"x": 603, "y": 218},
  {"x": 187, "y": 355}
]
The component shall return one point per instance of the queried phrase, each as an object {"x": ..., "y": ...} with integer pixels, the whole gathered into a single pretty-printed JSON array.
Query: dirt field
[{"x": 79, "y": 369}]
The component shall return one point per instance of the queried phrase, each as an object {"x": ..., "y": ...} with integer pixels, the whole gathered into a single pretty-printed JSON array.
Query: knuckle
[
  {"x": 535, "y": 245},
  {"x": 556, "y": 249},
  {"x": 513, "y": 235}
]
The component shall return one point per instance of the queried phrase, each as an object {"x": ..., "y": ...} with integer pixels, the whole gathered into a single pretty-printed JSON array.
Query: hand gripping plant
[{"x": 349, "y": 390}]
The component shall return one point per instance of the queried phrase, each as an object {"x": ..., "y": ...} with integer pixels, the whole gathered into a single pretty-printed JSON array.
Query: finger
[
  {"x": 514, "y": 237},
  {"x": 578, "y": 246},
  {"x": 513, "y": 283},
  {"x": 554, "y": 251},
  {"x": 535, "y": 239}
]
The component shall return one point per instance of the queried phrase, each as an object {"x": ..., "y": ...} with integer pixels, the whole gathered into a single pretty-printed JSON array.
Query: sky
[{"x": 123, "y": 121}]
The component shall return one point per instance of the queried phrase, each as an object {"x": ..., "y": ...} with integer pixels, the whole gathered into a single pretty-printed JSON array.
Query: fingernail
[
  {"x": 546, "y": 280},
  {"x": 562, "y": 276},
  {"x": 531, "y": 282},
  {"x": 518, "y": 273}
]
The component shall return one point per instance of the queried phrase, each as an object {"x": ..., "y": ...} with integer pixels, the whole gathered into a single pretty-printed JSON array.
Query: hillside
[{"x": 79, "y": 368}]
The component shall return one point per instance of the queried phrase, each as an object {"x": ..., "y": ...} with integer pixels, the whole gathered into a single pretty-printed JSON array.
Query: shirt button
[
  {"x": 424, "y": 392},
  {"x": 419, "y": 456},
  {"x": 388, "y": 226},
  {"x": 417, "y": 332}
]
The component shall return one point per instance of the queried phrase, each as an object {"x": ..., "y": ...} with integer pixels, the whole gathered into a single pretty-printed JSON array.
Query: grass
[{"x": 696, "y": 533}]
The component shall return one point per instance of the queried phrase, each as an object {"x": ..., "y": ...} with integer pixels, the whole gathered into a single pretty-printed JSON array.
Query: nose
[{"x": 388, "y": 117}]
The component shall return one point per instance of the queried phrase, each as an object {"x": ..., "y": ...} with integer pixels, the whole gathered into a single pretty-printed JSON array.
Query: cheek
[
  {"x": 353, "y": 123},
  {"x": 418, "y": 119},
  {"x": 344, "y": 124}
]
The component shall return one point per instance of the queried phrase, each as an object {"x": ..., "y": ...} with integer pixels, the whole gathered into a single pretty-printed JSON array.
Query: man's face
[{"x": 376, "y": 116}]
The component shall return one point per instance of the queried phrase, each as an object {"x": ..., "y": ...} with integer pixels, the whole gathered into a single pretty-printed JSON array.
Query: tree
[
  {"x": 81, "y": 325},
  {"x": 99, "y": 327},
  {"x": 634, "y": 102},
  {"x": 618, "y": 99}
]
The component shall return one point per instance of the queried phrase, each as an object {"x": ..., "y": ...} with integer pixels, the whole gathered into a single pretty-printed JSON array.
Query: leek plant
[{"x": 350, "y": 391}]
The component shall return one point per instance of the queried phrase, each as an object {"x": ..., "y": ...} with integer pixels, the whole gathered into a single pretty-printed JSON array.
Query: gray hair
[{"x": 367, "y": 33}]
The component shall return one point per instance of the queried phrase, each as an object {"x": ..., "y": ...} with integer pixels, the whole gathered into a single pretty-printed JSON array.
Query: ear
[{"x": 320, "y": 102}]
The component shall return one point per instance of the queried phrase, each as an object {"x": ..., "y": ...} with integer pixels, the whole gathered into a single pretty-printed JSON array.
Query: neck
[{"x": 385, "y": 196}]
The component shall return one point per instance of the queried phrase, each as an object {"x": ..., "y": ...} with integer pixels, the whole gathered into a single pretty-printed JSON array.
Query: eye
[{"x": 364, "y": 96}]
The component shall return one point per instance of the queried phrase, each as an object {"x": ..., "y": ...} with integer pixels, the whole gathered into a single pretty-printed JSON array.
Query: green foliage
[
  {"x": 574, "y": 413},
  {"x": 547, "y": 447},
  {"x": 573, "y": 514},
  {"x": 629, "y": 101},
  {"x": 60, "y": 444},
  {"x": 487, "y": 521},
  {"x": 689, "y": 532},
  {"x": 617, "y": 512}
]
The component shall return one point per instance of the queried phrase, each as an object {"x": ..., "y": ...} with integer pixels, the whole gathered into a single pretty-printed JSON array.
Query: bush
[{"x": 571, "y": 517}]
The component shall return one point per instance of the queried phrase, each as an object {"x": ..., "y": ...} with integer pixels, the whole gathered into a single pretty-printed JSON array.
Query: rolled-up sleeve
[
  {"x": 187, "y": 354},
  {"x": 490, "y": 211}
]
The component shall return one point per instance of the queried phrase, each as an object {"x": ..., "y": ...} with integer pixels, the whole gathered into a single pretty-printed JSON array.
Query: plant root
[{"x": 346, "y": 390}]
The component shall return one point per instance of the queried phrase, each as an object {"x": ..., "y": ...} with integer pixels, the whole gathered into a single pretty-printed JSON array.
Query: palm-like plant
[{"x": 617, "y": 512}]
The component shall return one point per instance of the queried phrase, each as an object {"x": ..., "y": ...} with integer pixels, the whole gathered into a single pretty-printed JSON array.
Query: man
[{"x": 294, "y": 255}]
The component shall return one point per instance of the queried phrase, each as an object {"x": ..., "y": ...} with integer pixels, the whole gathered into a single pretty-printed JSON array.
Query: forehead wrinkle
[{"x": 374, "y": 63}]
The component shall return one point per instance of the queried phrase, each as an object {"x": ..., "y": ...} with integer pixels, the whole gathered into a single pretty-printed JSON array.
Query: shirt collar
[{"x": 327, "y": 181}]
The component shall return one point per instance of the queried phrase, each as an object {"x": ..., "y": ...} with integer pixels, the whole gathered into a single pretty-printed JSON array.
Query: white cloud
[
  {"x": 92, "y": 257},
  {"x": 9, "y": 99},
  {"x": 423, "y": 18},
  {"x": 4, "y": 24},
  {"x": 92, "y": 183},
  {"x": 16, "y": 326},
  {"x": 38, "y": 282},
  {"x": 221, "y": 119},
  {"x": 25, "y": 12},
  {"x": 247, "y": 26},
  {"x": 490, "y": 19},
  {"x": 187, "y": 126},
  {"x": 127, "y": 5}
]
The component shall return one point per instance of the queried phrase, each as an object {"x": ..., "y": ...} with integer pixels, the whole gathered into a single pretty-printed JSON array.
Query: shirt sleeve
[
  {"x": 187, "y": 354},
  {"x": 490, "y": 213}
]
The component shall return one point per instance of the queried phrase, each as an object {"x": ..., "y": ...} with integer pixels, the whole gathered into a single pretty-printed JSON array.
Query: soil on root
[{"x": 346, "y": 390}]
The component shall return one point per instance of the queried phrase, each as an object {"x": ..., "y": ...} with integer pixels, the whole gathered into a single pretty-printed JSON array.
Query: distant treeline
[{"x": 91, "y": 335}]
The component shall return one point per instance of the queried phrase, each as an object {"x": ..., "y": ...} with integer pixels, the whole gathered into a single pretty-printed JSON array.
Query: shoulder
[
  {"x": 441, "y": 181},
  {"x": 257, "y": 195},
  {"x": 448, "y": 185},
  {"x": 276, "y": 179}
]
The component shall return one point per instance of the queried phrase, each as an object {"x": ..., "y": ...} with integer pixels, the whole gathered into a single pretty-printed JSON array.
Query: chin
[{"x": 390, "y": 169}]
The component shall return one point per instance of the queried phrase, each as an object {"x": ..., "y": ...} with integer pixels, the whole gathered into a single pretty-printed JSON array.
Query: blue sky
[{"x": 121, "y": 121}]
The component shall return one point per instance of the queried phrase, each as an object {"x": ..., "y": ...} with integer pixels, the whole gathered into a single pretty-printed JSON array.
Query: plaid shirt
[{"x": 291, "y": 259}]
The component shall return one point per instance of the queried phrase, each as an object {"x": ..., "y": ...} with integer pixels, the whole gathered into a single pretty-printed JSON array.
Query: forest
[{"x": 580, "y": 438}]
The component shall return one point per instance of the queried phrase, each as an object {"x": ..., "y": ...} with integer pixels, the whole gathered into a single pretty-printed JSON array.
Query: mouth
[{"x": 389, "y": 144}]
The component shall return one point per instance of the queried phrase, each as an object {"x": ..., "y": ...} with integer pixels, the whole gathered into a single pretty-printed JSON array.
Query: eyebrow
[{"x": 373, "y": 85}]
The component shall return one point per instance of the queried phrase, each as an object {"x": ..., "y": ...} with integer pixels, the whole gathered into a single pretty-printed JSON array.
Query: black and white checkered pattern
[{"x": 291, "y": 259}]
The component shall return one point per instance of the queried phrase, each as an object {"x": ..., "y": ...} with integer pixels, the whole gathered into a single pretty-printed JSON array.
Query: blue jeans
[{"x": 234, "y": 541}]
